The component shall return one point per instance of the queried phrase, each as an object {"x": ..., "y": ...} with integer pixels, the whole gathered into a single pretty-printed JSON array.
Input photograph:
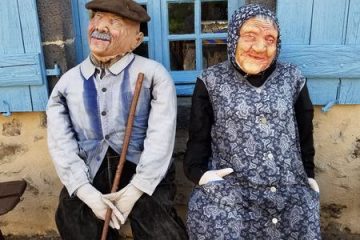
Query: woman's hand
[
  {"x": 214, "y": 175},
  {"x": 313, "y": 184}
]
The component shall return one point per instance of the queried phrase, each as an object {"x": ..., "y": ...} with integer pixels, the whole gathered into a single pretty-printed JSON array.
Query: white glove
[
  {"x": 214, "y": 175},
  {"x": 93, "y": 198},
  {"x": 124, "y": 199},
  {"x": 313, "y": 184}
]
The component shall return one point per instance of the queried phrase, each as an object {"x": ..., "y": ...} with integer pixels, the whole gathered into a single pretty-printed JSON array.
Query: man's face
[
  {"x": 256, "y": 48},
  {"x": 110, "y": 35}
]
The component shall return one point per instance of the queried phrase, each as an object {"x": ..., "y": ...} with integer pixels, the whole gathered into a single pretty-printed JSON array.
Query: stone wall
[
  {"x": 57, "y": 35},
  {"x": 24, "y": 155},
  {"x": 337, "y": 142}
]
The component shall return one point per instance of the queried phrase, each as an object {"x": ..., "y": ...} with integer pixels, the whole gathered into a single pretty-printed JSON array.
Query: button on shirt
[{"x": 87, "y": 115}]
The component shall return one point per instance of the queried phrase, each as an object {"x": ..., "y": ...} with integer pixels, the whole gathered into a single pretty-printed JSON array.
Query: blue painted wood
[
  {"x": 184, "y": 90},
  {"x": 349, "y": 91},
  {"x": 198, "y": 45},
  {"x": 83, "y": 15},
  {"x": 324, "y": 61},
  {"x": 20, "y": 70},
  {"x": 15, "y": 99},
  {"x": 158, "y": 40},
  {"x": 329, "y": 21},
  {"x": 329, "y": 105},
  {"x": 353, "y": 28},
  {"x": 213, "y": 35},
  {"x": 234, "y": 5},
  {"x": 185, "y": 77},
  {"x": 350, "y": 88},
  {"x": 165, "y": 33},
  {"x": 77, "y": 30},
  {"x": 21, "y": 58},
  {"x": 12, "y": 98},
  {"x": 332, "y": 67},
  {"x": 151, "y": 28},
  {"x": 32, "y": 43},
  {"x": 328, "y": 24},
  {"x": 323, "y": 91},
  {"x": 10, "y": 28},
  {"x": 295, "y": 20},
  {"x": 177, "y": 37},
  {"x": 150, "y": 40}
]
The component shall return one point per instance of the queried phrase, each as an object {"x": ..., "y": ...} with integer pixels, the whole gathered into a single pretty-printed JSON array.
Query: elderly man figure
[
  {"x": 250, "y": 150},
  {"x": 87, "y": 113}
]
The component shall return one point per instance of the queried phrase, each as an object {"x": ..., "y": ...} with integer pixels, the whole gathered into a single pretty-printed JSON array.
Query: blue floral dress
[{"x": 255, "y": 133}]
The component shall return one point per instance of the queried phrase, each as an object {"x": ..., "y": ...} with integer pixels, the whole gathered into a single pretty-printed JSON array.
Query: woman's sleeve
[
  {"x": 198, "y": 149},
  {"x": 304, "y": 112}
]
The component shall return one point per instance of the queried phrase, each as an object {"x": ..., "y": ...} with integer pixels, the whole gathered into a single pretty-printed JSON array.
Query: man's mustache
[{"x": 101, "y": 35}]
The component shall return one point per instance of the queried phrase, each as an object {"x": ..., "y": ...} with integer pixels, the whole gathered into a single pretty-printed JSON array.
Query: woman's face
[
  {"x": 256, "y": 48},
  {"x": 111, "y": 35}
]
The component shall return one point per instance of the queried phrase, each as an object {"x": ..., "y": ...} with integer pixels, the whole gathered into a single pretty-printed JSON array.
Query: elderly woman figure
[{"x": 250, "y": 150}]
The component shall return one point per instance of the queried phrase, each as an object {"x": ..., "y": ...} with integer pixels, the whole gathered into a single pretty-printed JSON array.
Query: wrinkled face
[
  {"x": 110, "y": 35},
  {"x": 256, "y": 48}
]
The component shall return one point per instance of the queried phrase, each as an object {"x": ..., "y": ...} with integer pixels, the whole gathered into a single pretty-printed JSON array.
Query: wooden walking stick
[{"x": 122, "y": 160}]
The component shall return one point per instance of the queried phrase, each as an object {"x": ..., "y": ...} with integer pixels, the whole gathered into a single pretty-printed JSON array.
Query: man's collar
[
  {"x": 87, "y": 68},
  {"x": 120, "y": 65}
]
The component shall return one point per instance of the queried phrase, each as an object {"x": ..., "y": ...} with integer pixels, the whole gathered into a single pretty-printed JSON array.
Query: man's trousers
[{"x": 153, "y": 217}]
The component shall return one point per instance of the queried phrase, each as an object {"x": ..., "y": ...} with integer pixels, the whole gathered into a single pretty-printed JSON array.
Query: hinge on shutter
[
  {"x": 56, "y": 71},
  {"x": 331, "y": 103},
  {"x": 7, "y": 113},
  {"x": 327, "y": 107}
]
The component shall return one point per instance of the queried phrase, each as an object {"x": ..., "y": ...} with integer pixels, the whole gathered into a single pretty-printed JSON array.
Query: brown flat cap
[{"x": 125, "y": 8}]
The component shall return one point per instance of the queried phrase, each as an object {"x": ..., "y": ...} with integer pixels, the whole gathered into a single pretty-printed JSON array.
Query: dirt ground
[
  {"x": 330, "y": 231},
  {"x": 40, "y": 238},
  {"x": 334, "y": 232},
  {"x": 325, "y": 236}
]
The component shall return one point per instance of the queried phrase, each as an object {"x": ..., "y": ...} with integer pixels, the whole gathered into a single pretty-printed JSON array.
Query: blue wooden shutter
[
  {"x": 81, "y": 19},
  {"x": 22, "y": 74},
  {"x": 322, "y": 37},
  {"x": 350, "y": 87}
]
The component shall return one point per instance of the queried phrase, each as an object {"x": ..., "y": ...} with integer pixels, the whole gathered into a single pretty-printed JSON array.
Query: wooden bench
[{"x": 10, "y": 193}]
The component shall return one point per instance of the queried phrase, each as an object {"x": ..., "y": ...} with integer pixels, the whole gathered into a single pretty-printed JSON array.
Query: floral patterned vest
[{"x": 255, "y": 129}]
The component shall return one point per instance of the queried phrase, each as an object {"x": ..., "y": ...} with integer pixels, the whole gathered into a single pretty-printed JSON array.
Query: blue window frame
[
  {"x": 193, "y": 37},
  {"x": 161, "y": 35}
]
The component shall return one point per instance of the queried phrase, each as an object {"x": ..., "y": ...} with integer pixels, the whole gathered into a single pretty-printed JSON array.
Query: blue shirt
[{"x": 86, "y": 115}]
